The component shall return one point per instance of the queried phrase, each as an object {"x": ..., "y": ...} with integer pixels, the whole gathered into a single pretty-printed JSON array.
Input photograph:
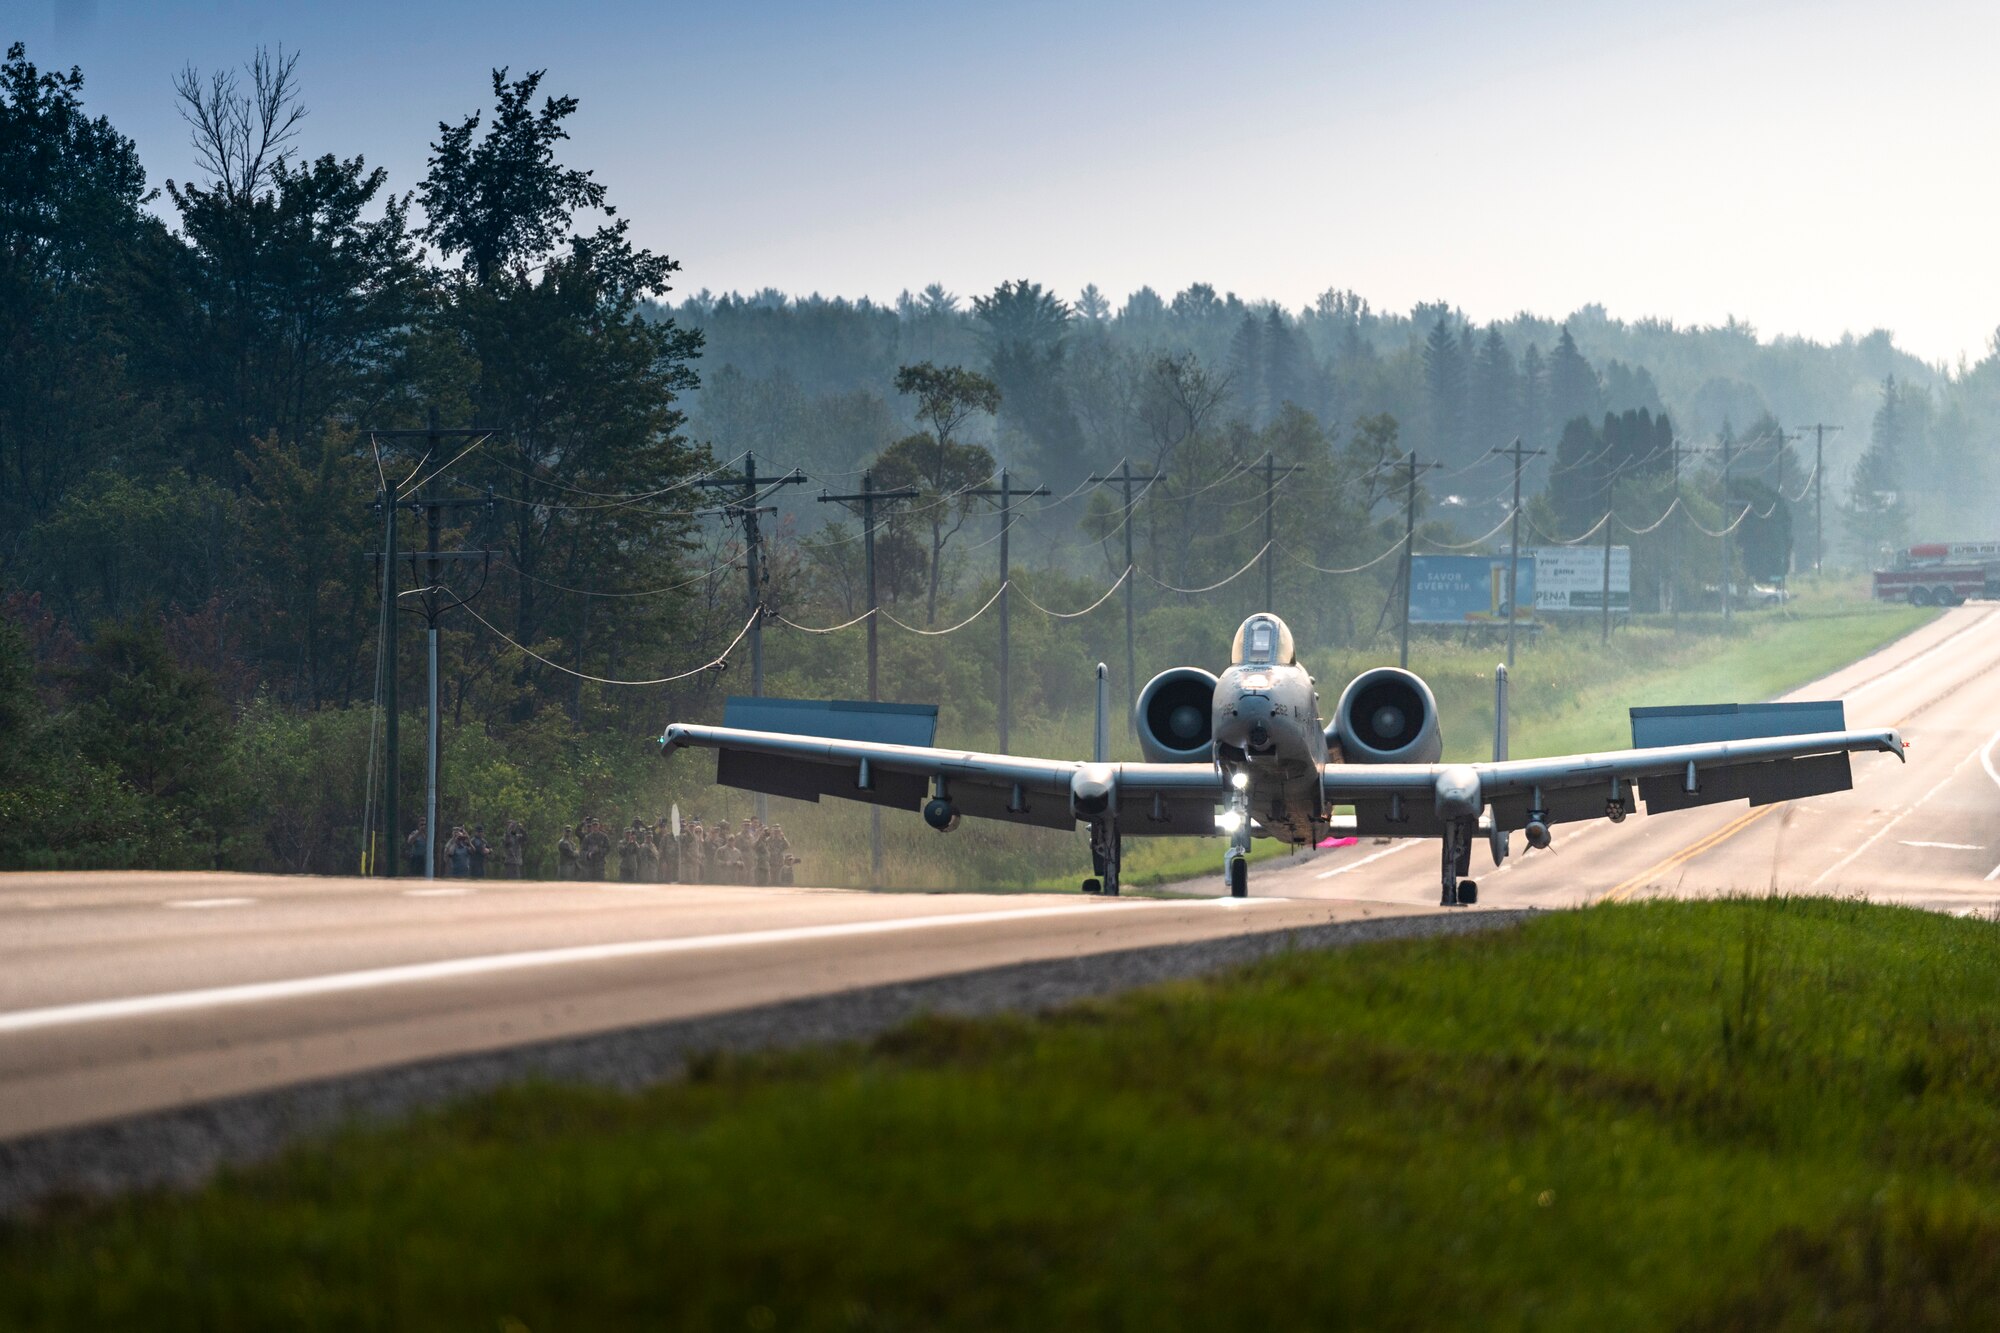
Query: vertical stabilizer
[{"x": 1100, "y": 746}]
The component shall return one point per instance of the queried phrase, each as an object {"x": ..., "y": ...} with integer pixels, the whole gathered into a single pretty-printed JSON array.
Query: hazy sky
[{"x": 1812, "y": 168}]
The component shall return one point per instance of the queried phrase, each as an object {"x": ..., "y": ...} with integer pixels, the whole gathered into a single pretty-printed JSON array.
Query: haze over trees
[{"x": 191, "y": 372}]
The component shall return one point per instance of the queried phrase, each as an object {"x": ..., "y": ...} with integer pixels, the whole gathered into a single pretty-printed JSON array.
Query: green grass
[{"x": 1726, "y": 1115}]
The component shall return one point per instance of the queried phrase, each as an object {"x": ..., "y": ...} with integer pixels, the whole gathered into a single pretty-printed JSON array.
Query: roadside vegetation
[{"x": 1739, "y": 1114}]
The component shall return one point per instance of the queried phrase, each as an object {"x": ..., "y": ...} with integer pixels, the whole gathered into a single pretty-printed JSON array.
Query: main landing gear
[
  {"x": 1458, "y": 891},
  {"x": 1106, "y": 851}
]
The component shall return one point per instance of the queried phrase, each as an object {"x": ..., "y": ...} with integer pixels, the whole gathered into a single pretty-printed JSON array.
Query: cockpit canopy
[{"x": 1263, "y": 640}]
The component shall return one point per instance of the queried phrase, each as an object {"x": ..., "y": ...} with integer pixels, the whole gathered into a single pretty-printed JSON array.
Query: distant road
[{"x": 128, "y": 992}]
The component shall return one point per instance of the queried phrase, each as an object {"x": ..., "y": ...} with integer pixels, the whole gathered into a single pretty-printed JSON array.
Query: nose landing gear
[{"x": 1458, "y": 891}]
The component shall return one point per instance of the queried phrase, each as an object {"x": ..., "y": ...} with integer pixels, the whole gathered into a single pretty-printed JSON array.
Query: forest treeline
[{"x": 198, "y": 382}]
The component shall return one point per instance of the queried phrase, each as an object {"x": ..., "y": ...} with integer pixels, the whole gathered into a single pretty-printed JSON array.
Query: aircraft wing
[
  {"x": 1413, "y": 800},
  {"x": 1153, "y": 799}
]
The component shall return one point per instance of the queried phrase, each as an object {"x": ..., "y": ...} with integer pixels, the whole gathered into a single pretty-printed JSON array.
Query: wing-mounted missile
[
  {"x": 1387, "y": 716},
  {"x": 1175, "y": 717}
]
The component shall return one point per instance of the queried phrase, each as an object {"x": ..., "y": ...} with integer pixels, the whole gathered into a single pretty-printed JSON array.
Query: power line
[{"x": 714, "y": 664}]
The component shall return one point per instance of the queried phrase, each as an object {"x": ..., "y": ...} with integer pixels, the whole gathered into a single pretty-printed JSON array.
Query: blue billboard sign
[{"x": 1467, "y": 589}]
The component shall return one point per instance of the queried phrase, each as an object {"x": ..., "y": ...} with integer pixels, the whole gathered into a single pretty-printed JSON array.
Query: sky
[{"x": 1813, "y": 169}]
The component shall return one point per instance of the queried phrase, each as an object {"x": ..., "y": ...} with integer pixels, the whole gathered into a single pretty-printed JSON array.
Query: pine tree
[
  {"x": 1496, "y": 416},
  {"x": 1573, "y": 386},
  {"x": 1534, "y": 398},
  {"x": 1444, "y": 384}
]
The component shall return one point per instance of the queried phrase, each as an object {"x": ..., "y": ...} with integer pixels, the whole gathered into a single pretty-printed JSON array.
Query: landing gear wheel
[
  {"x": 1468, "y": 893},
  {"x": 1092, "y": 886},
  {"x": 1239, "y": 877}
]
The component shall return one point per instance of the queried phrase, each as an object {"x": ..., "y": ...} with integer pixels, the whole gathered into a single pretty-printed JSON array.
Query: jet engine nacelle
[
  {"x": 1387, "y": 716},
  {"x": 1175, "y": 717}
]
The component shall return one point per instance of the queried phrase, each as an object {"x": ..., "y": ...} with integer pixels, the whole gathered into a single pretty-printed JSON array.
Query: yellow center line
[{"x": 1735, "y": 826}]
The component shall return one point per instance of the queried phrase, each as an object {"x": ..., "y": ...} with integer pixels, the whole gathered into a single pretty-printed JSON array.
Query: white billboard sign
[{"x": 1571, "y": 578}]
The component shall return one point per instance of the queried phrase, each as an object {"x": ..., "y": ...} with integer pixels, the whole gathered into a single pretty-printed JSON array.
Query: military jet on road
[{"x": 1247, "y": 753}]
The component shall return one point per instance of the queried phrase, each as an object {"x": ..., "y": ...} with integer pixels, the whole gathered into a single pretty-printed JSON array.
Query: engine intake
[
  {"x": 1387, "y": 716},
  {"x": 1175, "y": 717}
]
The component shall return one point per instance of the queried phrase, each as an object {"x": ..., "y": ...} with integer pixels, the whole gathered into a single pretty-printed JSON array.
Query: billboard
[
  {"x": 1571, "y": 578},
  {"x": 1466, "y": 589}
]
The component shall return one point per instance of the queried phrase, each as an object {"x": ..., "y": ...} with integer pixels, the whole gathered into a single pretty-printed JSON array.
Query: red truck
[{"x": 1941, "y": 574}]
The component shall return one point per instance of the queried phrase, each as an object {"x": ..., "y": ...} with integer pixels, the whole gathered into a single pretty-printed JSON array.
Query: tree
[
  {"x": 505, "y": 201},
  {"x": 72, "y": 196},
  {"x": 580, "y": 380},
  {"x": 162, "y": 728},
  {"x": 1026, "y": 327},
  {"x": 1877, "y": 510},
  {"x": 1534, "y": 398},
  {"x": 1444, "y": 388},
  {"x": 1092, "y": 305},
  {"x": 1496, "y": 392},
  {"x": 1573, "y": 387},
  {"x": 935, "y": 464}
]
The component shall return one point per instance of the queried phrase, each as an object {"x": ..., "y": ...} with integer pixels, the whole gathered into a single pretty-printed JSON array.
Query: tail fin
[{"x": 1100, "y": 749}]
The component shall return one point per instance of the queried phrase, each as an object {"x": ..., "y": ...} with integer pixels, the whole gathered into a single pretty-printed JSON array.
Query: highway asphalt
[{"x": 123, "y": 993}]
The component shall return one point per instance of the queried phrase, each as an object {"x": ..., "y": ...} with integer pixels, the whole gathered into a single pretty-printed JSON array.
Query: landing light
[
  {"x": 1239, "y": 780},
  {"x": 1229, "y": 821}
]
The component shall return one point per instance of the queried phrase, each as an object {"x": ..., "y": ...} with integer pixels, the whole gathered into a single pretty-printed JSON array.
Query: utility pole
[
  {"x": 390, "y": 503},
  {"x": 1007, "y": 495},
  {"x": 1412, "y": 467},
  {"x": 1520, "y": 457},
  {"x": 1271, "y": 478},
  {"x": 1675, "y": 451},
  {"x": 1610, "y": 522},
  {"x": 1819, "y": 430},
  {"x": 867, "y": 499},
  {"x": 1728, "y": 563},
  {"x": 1125, "y": 479},
  {"x": 745, "y": 509}
]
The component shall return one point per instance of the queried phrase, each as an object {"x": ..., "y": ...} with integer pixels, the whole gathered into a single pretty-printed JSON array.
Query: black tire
[
  {"x": 1946, "y": 597},
  {"x": 1092, "y": 886},
  {"x": 1920, "y": 597},
  {"x": 1468, "y": 893},
  {"x": 1239, "y": 877}
]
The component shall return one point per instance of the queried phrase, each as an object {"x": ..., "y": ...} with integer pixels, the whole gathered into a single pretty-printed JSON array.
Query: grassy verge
[{"x": 1739, "y": 1114}]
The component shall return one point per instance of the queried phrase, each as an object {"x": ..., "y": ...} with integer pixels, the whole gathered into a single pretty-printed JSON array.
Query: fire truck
[{"x": 1941, "y": 574}]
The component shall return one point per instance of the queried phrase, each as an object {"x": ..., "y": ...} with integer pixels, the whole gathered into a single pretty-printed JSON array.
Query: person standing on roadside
[
  {"x": 480, "y": 850},
  {"x": 566, "y": 854},
  {"x": 596, "y": 847},
  {"x": 514, "y": 848},
  {"x": 413, "y": 849}
]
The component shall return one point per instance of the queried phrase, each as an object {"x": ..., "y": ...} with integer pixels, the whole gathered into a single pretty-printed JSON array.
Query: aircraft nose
[{"x": 1246, "y": 722}]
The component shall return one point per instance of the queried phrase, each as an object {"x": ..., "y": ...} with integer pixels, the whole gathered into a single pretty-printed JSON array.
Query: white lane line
[
  {"x": 1909, "y": 664},
  {"x": 142, "y": 1006},
  {"x": 208, "y": 902},
  {"x": 1946, "y": 846},
  {"x": 435, "y": 893},
  {"x": 1979, "y": 753},
  {"x": 1372, "y": 856}
]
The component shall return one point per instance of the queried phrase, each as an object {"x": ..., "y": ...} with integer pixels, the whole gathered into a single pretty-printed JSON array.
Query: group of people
[
  {"x": 465, "y": 853},
  {"x": 752, "y": 853}
]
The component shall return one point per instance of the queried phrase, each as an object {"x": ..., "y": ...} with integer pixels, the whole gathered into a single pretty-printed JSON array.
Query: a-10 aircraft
[{"x": 1247, "y": 753}]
